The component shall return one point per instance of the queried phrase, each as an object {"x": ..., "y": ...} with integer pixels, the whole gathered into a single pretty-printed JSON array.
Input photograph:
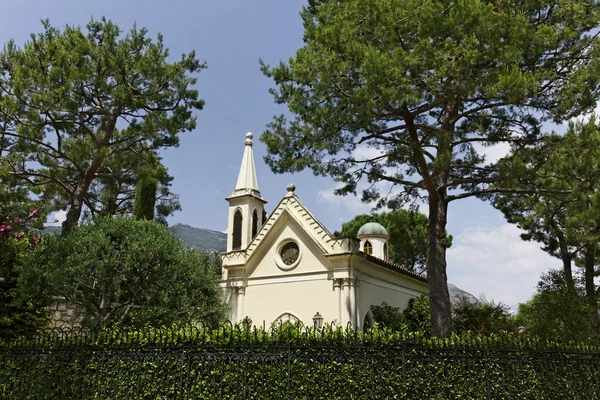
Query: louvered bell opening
[
  {"x": 254, "y": 223},
  {"x": 237, "y": 230}
]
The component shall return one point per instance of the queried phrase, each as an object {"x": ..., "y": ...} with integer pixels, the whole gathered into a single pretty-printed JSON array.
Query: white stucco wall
[
  {"x": 247, "y": 205},
  {"x": 273, "y": 288},
  {"x": 378, "y": 243},
  {"x": 264, "y": 262},
  {"x": 267, "y": 299},
  {"x": 331, "y": 277},
  {"x": 395, "y": 291}
]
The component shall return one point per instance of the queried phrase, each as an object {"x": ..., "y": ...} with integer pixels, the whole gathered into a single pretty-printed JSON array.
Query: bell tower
[{"x": 245, "y": 203}]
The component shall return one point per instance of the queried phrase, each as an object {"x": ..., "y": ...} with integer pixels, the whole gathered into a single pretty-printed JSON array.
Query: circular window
[{"x": 288, "y": 254}]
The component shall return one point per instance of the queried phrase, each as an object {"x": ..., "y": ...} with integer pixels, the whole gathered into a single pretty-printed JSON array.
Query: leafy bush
[
  {"x": 18, "y": 317},
  {"x": 557, "y": 312},
  {"x": 484, "y": 317},
  {"x": 417, "y": 315},
  {"x": 118, "y": 270},
  {"x": 197, "y": 363},
  {"x": 19, "y": 221},
  {"x": 388, "y": 316}
]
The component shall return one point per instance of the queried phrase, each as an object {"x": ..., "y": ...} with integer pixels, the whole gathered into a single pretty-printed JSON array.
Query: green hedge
[{"x": 296, "y": 364}]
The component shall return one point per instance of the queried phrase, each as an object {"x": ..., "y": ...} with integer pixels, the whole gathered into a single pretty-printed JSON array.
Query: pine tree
[
  {"x": 78, "y": 104},
  {"x": 424, "y": 85}
]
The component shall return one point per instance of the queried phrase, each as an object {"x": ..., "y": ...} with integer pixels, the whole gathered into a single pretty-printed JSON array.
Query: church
[{"x": 287, "y": 267}]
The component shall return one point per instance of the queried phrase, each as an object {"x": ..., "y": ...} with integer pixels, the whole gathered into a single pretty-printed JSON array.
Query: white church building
[{"x": 290, "y": 268}]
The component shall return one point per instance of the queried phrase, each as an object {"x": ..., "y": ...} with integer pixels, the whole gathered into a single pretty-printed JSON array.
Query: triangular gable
[
  {"x": 264, "y": 261},
  {"x": 296, "y": 210}
]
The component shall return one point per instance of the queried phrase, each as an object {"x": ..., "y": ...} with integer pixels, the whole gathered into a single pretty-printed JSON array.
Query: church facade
[{"x": 289, "y": 268}]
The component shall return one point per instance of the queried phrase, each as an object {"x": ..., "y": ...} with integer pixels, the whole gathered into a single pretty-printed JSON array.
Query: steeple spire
[
  {"x": 246, "y": 207},
  {"x": 247, "y": 183}
]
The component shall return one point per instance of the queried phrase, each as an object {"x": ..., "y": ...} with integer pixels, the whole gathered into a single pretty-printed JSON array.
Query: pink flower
[
  {"x": 17, "y": 220},
  {"x": 36, "y": 240},
  {"x": 5, "y": 229},
  {"x": 20, "y": 236},
  {"x": 33, "y": 214}
]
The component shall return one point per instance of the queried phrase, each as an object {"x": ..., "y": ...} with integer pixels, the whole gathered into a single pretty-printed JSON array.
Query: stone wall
[{"x": 63, "y": 314}]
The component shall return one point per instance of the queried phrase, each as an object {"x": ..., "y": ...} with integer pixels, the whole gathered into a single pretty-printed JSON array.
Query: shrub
[
  {"x": 118, "y": 270},
  {"x": 295, "y": 363}
]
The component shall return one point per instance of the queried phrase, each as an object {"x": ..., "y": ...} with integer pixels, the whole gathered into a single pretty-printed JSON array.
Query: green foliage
[
  {"x": 18, "y": 318},
  {"x": 124, "y": 271},
  {"x": 482, "y": 318},
  {"x": 19, "y": 220},
  {"x": 408, "y": 236},
  {"x": 408, "y": 93},
  {"x": 567, "y": 224},
  {"x": 151, "y": 191},
  {"x": 417, "y": 316},
  {"x": 83, "y": 109},
  {"x": 387, "y": 316},
  {"x": 485, "y": 317},
  {"x": 294, "y": 363},
  {"x": 556, "y": 312},
  {"x": 145, "y": 199}
]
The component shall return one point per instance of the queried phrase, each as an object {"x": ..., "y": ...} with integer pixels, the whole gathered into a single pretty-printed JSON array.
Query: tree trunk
[
  {"x": 78, "y": 197},
  {"x": 439, "y": 297},
  {"x": 590, "y": 288},
  {"x": 75, "y": 209},
  {"x": 567, "y": 259},
  {"x": 568, "y": 271}
]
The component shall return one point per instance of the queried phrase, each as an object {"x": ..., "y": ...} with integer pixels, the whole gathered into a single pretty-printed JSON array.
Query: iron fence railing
[{"x": 345, "y": 367}]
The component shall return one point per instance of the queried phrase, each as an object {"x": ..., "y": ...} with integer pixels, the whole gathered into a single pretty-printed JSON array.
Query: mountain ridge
[{"x": 200, "y": 238}]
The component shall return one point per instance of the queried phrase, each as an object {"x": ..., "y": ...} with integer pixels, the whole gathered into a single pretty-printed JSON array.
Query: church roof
[
  {"x": 396, "y": 268},
  {"x": 372, "y": 228},
  {"x": 247, "y": 183},
  {"x": 291, "y": 205}
]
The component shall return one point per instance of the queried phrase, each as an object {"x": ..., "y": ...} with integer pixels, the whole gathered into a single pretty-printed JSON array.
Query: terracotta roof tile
[{"x": 395, "y": 267}]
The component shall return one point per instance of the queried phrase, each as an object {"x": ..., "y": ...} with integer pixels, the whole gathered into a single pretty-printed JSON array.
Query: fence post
[
  {"x": 487, "y": 375},
  {"x": 181, "y": 373},
  {"x": 289, "y": 369},
  {"x": 35, "y": 361},
  {"x": 403, "y": 370}
]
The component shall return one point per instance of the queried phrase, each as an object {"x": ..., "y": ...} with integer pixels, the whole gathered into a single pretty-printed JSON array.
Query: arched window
[
  {"x": 254, "y": 223},
  {"x": 385, "y": 251},
  {"x": 285, "y": 320},
  {"x": 368, "y": 249},
  {"x": 237, "y": 230}
]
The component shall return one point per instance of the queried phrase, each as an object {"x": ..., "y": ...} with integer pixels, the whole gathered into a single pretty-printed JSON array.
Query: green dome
[{"x": 372, "y": 228}]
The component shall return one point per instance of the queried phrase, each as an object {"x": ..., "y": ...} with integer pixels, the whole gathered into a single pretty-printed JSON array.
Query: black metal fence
[{"x": 208, "y": 365}]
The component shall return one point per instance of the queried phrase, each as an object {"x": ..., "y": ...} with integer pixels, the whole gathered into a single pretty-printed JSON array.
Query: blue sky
[{"x": 487, "y": 257}]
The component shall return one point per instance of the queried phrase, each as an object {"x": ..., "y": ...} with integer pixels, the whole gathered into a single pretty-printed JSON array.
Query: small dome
[{"x": 372, "y": 228}]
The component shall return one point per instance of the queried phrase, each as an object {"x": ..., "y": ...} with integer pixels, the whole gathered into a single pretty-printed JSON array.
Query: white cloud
[
  {"x": 493, "y": 153},
  {"x": 349, "y": 203},
  {"x": 364, "y": 152},
  {"x": 497, "y": 263},
  {"x": 56, "y": 218},
  {"x": 586, "y": 117}
]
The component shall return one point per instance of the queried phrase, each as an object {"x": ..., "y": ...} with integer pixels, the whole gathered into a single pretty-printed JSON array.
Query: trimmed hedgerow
[{"x": 295, "y": 363}]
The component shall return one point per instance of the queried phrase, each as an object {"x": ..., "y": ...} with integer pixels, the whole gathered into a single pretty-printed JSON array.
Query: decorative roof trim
[
  {"x": 286, "y": 205},
  {"x": 372, "y": 236},
  {"x": 394, "y": 267}
]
